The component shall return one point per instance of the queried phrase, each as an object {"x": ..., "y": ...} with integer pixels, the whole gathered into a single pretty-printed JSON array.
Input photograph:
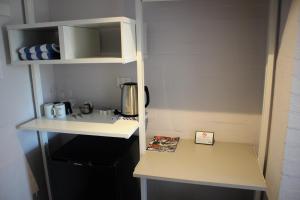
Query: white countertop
[{"x": 230, "y": 165}]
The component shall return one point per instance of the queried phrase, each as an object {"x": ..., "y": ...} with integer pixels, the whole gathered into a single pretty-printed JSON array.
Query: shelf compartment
[
  {"x": 119, "y": 128},
  {"x": 29, "y": 37},
  {"x": 91, "y": 42},
  {"x": 103, "y": 40}
]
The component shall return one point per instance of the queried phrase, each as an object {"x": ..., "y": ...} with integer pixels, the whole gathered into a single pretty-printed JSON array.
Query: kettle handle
[
  {"x": 89, "y": 104},
  {"x": 147, "y": 96}
]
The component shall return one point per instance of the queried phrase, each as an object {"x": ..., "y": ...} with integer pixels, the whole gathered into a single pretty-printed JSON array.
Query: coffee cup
[
  {"x": 68, "y": 107},
  {"x": 60, "y": 110},
  {"x": 49, "y": 110}
]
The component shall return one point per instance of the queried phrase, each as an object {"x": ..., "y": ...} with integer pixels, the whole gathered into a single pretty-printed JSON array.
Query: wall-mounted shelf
[
  {"x": 104, "y": 40},
  {"x": 118, "y": 128}
]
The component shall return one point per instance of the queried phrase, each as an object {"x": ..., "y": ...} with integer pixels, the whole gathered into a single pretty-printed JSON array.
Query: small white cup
[
  {"x": 60, "y": 110},
  {"x": 49, "y": 110}
]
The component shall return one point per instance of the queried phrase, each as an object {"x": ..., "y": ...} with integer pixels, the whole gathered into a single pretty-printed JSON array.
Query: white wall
[
  {"x": 95, "y": 82},
  {"x": 205, "y": 70},
  {"x": 207, "y": 74},
  {"x": 205, "y": 67},
  {"x": 78, "y": 9},
  {"x": 16, "y": 107}
]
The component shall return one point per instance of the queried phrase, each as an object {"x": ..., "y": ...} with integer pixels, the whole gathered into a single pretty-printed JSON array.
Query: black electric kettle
[{"x": 129, "y": 99}]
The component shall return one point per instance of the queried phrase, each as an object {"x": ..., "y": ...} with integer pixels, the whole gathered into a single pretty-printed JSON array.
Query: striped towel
[
  {"x": 39, "y": 56},
  {"x": 50, "y": 48}
]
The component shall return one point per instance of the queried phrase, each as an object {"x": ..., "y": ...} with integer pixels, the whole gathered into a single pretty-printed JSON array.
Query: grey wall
[
  {"x": 16, "y": 106},
  {"x": 159, "y": 190},
  {"x": 205, "y": 67},
  {"x": 95, "y": 82}
]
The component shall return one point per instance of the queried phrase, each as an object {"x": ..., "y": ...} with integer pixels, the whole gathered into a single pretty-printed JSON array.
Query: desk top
[{"x": 231, "y": 165}]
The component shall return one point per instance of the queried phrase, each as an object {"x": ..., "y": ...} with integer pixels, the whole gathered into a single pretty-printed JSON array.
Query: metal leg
[
  {"x": 143, "y": 189},
  {"x": 43, "y": 139}
]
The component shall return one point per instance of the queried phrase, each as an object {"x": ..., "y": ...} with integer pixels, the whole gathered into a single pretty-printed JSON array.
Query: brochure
[{"x": 163, "y": 143}]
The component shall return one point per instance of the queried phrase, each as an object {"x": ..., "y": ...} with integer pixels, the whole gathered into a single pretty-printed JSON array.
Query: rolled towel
[
  {"x": 25, "y": 56},
  {"x": 39, "y": 56},
  {"x": 50, "y": 48},
  {"x": 48, "y": 55},
  {"x": 23, "y": 50}
]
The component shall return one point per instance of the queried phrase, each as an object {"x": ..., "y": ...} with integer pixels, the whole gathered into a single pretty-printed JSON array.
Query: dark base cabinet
[{"x": 91, "y": 167}]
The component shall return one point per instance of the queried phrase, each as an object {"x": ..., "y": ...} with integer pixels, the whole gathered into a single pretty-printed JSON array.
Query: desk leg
[{"x": 143, "y": 189}]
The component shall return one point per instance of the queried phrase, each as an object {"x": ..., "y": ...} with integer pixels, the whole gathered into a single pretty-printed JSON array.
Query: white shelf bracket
[
  {"x": 141, "y": 84},
  {"x": 37, "y": 94},
  {"x": 140, "y": 75}
]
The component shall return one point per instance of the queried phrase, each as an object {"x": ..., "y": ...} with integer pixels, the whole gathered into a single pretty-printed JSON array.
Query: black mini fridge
[{"x": 96, "y": 168}]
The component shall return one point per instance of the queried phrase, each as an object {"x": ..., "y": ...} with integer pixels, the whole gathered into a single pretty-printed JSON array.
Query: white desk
[{"x": 229, "y": 165}]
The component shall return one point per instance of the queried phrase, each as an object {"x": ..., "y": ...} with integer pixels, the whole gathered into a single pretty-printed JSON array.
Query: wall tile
[
  {"x": 294, "y": 119},
  {"x": 290, "y": 188}
]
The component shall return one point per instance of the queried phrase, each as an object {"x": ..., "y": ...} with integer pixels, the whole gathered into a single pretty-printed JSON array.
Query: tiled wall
[
  {"x": 282, "y": 173},
  {"x": 290, "y": 183}
]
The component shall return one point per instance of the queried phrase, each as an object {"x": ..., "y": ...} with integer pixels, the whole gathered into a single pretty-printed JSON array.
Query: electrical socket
[{"x": 121, "y": 80}]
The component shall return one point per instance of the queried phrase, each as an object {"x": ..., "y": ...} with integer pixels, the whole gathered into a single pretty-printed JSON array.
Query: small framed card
[{"x": 204, "y": 137}]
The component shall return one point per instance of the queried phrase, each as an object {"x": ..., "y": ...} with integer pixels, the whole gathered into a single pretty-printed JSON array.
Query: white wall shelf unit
[
  {"x": 118, "y": 128},
  {"x": 104, "y": 40}
]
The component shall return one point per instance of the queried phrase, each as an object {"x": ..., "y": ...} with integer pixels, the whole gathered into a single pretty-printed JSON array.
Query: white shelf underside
[
  {"x": 74, "y": 61},
  {"x": 119, "y": 128}
]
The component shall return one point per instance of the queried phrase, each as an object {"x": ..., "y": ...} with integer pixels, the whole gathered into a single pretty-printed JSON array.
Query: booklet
[{"x": 163, "y": 143}]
